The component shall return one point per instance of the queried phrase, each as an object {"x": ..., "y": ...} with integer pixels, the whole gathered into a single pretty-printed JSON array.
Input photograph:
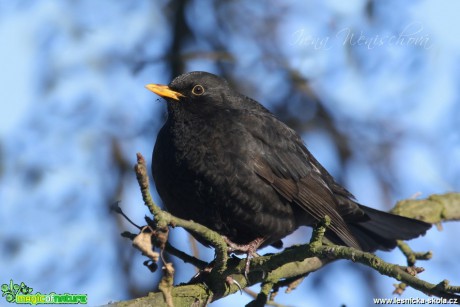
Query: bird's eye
[{"x": 197, "y": 90}]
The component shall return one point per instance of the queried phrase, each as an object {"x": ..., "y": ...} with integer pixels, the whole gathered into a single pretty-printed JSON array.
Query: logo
[{"x": 22, "y": 294}]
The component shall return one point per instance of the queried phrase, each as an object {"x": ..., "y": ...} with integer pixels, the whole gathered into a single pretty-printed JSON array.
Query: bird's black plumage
[{"x": 223, "y": 160}]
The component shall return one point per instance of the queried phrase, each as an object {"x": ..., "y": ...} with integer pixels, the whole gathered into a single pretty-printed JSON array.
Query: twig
[
  {"x": 392, "y": 270},
  {"x": 167, "y": 283},
  {"x": 412, "y": 256},
  {"x": 198, "y": 263}
]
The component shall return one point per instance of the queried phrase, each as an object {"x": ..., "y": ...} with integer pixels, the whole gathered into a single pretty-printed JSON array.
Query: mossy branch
[
  {"x": 434, "y": 209},
  {"x": 295, "y": 262}
]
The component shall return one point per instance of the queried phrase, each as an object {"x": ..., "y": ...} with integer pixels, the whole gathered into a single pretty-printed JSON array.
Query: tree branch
[
  {"x": 279, "y": 269},
  {"x": 434, "y": 209}
]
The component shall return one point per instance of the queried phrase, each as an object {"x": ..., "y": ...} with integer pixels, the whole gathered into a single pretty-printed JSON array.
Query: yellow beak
[{"x": 164, "y": 91}]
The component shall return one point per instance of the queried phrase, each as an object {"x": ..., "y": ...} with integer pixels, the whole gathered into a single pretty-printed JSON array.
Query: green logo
[{"x": 21, "y": 294}]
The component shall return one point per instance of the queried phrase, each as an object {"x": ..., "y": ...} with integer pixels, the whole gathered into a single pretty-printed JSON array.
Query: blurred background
[{"x": 371, "y": 85}]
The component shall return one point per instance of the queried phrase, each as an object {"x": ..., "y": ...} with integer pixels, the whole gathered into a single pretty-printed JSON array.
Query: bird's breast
[{"x": 205, "y": 173}]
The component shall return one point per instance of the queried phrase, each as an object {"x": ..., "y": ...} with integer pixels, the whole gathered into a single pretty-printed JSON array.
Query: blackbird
[{"x": 224, "y": 161}]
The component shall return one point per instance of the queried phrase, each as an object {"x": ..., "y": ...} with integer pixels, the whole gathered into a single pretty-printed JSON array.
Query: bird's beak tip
[{"x": 163, "y": 91}]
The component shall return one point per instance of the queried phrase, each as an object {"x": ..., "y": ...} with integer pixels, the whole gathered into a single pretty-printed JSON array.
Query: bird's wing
[{"x": 284, "y": 162}]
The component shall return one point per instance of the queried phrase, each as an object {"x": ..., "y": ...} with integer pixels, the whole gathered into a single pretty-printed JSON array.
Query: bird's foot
[
  {"x": 230, "y": 281},
  {"x": 249, "y": 249}
]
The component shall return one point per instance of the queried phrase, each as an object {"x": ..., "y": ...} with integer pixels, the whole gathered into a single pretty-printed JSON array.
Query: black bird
[{"x": 224, "y": 161}]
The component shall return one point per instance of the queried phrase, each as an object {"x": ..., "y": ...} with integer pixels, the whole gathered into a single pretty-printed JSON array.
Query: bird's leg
[{"x": 249, "y": 249}]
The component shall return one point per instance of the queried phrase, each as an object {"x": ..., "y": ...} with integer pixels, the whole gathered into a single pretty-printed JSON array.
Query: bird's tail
[{"x": 382, "y": 229}]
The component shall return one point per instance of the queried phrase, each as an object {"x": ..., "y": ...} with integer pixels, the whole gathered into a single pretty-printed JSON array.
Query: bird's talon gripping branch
[
  {"x": 230, "y": 281},
  {"x": 248, "y": 249}
]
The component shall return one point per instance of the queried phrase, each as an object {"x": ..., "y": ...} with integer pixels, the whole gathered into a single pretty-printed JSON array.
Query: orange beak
[{"x": 164, "y": 91}]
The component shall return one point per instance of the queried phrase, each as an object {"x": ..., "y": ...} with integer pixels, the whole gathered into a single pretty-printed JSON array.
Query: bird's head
[{"x": 196, "y": 92}]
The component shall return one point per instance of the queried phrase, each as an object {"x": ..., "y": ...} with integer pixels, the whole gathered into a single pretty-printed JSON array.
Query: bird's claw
[
  {"x": 230, "y": 281},
  {"x": 248, "y": 249}
]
